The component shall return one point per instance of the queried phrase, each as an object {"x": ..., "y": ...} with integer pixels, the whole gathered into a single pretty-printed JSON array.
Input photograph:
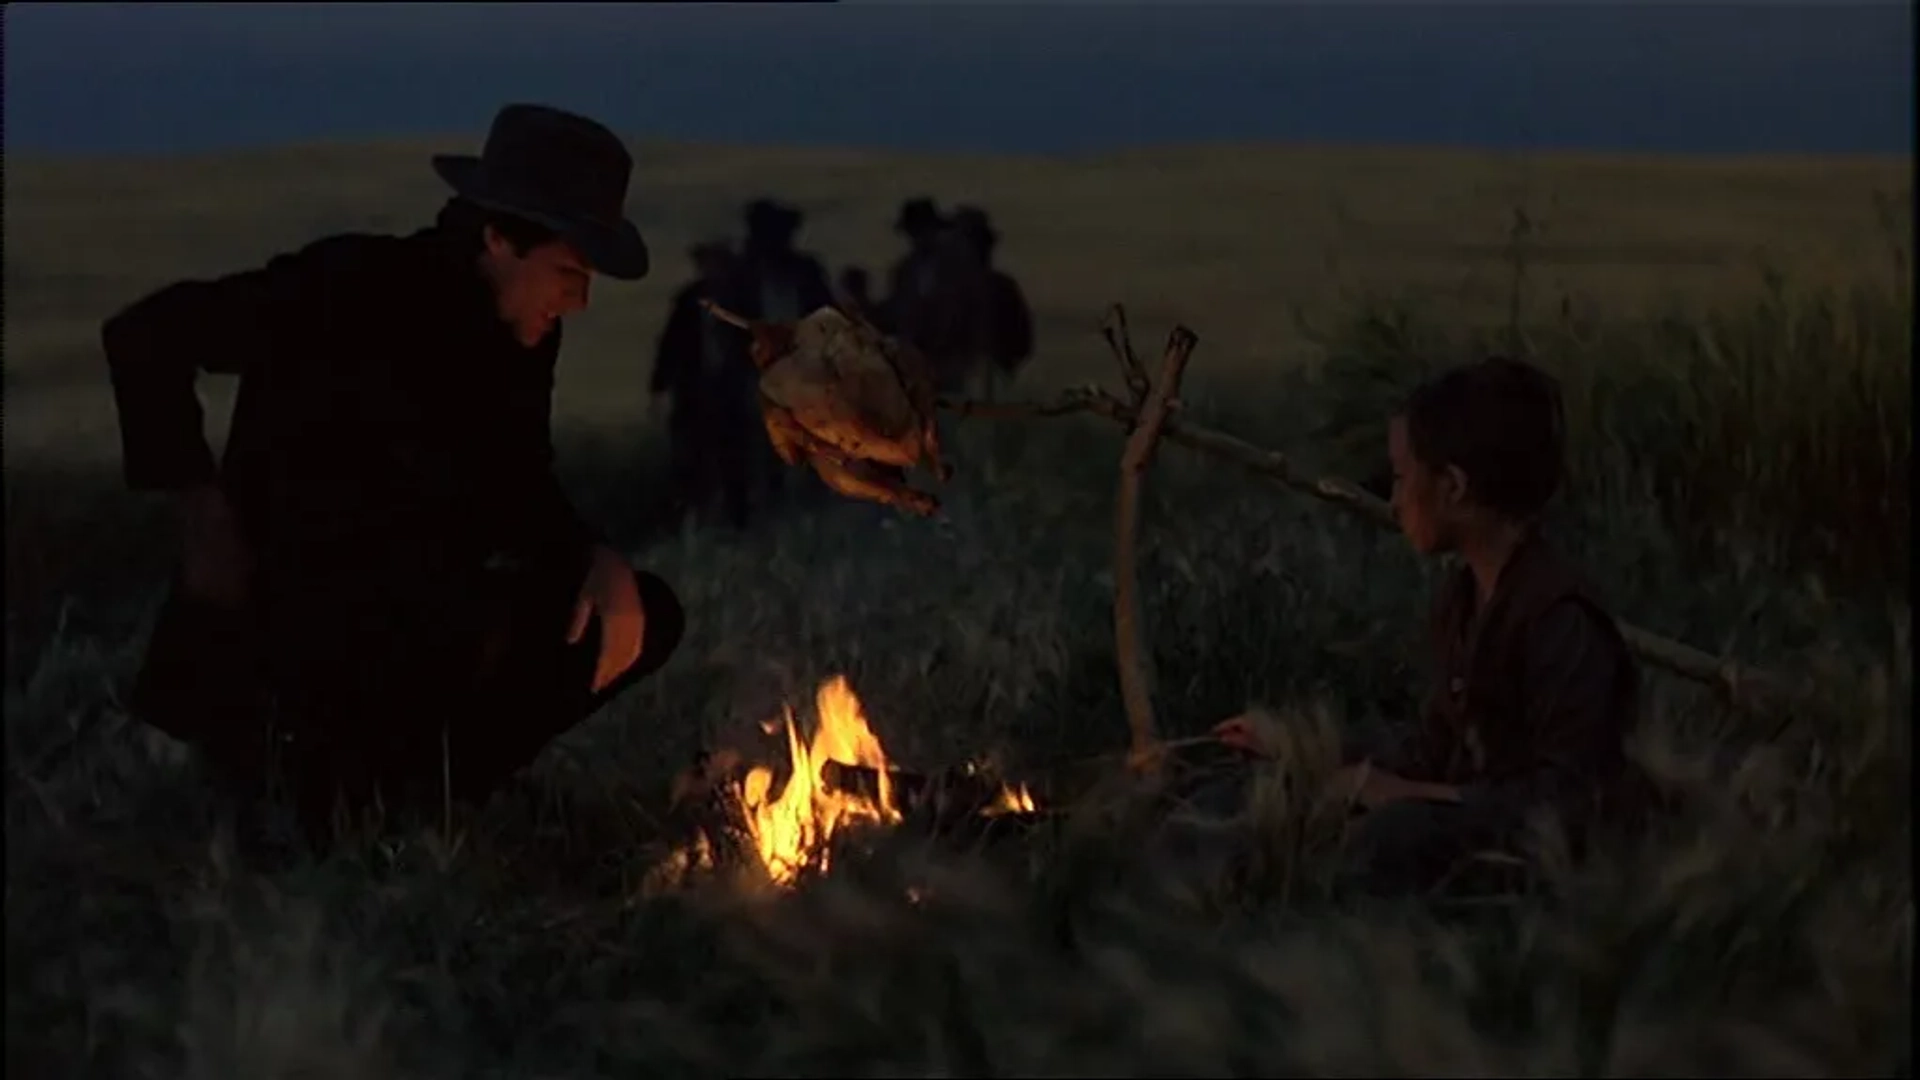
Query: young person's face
[
  {"x": 1429, "y": 504},
  {"x": 536, "y": 290}
]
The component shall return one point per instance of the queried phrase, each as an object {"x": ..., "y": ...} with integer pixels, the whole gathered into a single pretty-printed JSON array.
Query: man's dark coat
[{"x": 390, "y": 464}]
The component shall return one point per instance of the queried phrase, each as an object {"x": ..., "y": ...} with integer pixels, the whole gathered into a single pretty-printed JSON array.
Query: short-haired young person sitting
[{"x": 1535, "y": 690}]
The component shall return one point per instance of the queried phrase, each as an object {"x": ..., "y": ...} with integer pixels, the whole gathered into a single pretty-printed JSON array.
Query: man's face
[
  {"x": 1428, "y": 503},
  {"x": 538, "y": 289}
]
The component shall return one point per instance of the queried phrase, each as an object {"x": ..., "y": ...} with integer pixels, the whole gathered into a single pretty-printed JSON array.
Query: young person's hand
[{"x": 1241, "y": 734}]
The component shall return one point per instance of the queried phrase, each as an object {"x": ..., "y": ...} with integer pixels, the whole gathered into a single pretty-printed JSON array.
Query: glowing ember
[
  {"x": 792, "y": 832},
  {"x": 1012, "y": 800}
]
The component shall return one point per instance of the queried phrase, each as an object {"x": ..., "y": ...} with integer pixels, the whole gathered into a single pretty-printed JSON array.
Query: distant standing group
[
  {"x": 947, "y": 298},
  {"x": 944, "y": 295},
  {"x": 717, "y": 444}
]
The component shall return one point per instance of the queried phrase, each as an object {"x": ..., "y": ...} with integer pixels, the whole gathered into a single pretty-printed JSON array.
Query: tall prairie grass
[{"x": 1727, "y": 462}]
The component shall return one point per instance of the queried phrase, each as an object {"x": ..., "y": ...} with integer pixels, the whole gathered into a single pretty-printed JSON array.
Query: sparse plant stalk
[{"x": 1519, "y": 249}]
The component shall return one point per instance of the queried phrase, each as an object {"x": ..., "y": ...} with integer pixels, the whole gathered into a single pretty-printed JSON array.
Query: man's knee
[
  {"x": 666, "y": 624},
  {"x": 570, "y": 671}
]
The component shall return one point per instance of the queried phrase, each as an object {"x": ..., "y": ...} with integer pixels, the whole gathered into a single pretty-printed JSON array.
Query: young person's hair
[
  {"x": 1501, "y": 422},
  {"x": 466, "y": 223}
]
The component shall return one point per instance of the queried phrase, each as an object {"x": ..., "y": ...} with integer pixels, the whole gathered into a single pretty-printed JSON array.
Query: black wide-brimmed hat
[
  {"x": 918, "y": 214},
  {"x": 974, "y": 224},
  {"x": 772, "y": 218},
  {"x": 560, "y": 170}
]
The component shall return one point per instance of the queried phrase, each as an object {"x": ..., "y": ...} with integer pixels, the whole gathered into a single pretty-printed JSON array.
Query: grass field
[{"x": 1735, "y": 336}]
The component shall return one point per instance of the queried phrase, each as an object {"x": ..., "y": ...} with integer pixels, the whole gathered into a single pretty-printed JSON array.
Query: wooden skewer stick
[{"x": 726, "y": 316}]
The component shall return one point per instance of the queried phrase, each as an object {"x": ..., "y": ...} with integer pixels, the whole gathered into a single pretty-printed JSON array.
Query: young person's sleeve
[{"x": 1570, "y": 677}]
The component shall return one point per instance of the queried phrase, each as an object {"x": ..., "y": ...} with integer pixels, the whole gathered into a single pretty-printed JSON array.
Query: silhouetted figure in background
[
  {"x": 974, "y": 321},
  {"x": 912, "y": 281},
  {"x": 702, "y": 366},
  {"x": 1002, "y": 339},
  {"x": 779, "y": 283},
  {"x": 945, "y": 316},
  {"x": 783, "y": 284}
]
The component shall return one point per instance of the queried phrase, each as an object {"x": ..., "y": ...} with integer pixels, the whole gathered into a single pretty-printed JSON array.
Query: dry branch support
[{"x": 1150, "y": 415}]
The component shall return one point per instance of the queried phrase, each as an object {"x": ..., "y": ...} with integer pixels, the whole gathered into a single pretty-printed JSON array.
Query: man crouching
[
  {"x": 1535, "y": 691},
  {"x": 383, "y": 590}
]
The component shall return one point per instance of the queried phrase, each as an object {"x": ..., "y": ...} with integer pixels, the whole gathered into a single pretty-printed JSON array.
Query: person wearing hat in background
[
  {"x": 912, "y": 280},
  {"x": 784, "y": 284},
  {"x": 779, "y": 283},
  {"x": 384, "y": 596},
  {"x": 1003, "y": 334},
  {"x": 705, "y": 369},
  {"x": 970, "y": 320}
]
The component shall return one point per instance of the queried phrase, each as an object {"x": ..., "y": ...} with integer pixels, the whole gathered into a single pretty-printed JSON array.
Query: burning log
[
  {"x": 732, "y": 815},
  {"x": 910, "y": 790},
  {"x": 946, "y": 802},
  {"x": 713, "y": 828}
]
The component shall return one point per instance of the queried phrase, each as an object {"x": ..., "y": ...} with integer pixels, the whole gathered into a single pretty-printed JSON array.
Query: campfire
[
  {"x": 792, "y": 831},
  {"x": 840, "y": 780}
]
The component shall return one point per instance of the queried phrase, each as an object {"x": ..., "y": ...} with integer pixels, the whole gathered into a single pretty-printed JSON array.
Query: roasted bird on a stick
[{"x": 852, "y": 402}]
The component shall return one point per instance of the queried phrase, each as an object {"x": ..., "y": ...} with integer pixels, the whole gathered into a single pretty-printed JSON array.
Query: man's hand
[
  {"x": 216, "y": 565},
  {"x": 611, "y": 593}
]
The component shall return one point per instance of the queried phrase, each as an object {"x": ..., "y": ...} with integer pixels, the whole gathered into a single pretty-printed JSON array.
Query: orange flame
[
  {"x": 791, "y": 832},
  {"x": 1013, "y": 799}
]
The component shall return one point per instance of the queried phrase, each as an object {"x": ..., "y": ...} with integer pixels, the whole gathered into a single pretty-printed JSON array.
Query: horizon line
[{"x": 473, "y": 139}]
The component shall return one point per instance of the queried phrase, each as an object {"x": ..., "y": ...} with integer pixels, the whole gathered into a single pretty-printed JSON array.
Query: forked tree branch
[{"x": 1134, "y": 659}]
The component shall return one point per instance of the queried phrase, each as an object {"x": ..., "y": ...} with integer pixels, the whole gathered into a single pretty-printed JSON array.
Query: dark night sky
[{"x": 1049, "y": 77}]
